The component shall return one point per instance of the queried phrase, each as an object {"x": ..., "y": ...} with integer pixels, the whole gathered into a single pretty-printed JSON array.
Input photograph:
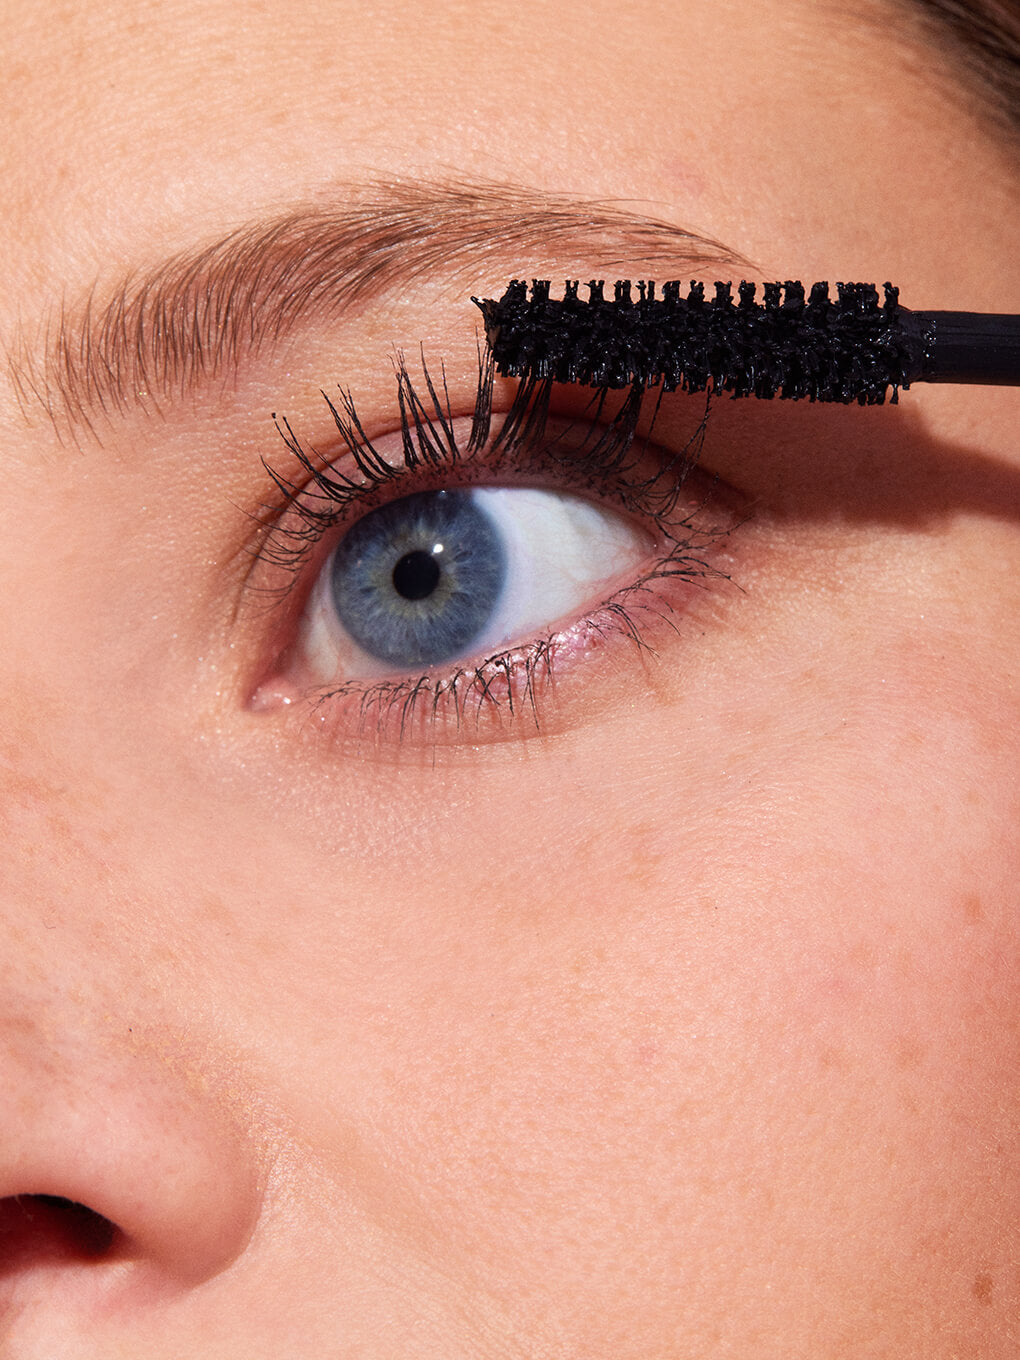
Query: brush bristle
[{"x": 791, "y": 345}]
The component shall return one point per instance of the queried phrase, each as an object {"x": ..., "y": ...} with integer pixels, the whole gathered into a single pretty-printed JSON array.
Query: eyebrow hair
[{"x": 165, "y": 330}]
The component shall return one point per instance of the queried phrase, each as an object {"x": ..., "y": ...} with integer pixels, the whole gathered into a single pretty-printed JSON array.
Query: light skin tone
[{"x": 680, "y": 1020}]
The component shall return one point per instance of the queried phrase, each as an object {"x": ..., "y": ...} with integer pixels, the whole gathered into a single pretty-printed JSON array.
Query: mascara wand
[{"x": 791, "y": 345}]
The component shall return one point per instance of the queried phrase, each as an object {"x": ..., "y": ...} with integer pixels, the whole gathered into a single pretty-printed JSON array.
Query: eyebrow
[{"x": 169, "y": 328}]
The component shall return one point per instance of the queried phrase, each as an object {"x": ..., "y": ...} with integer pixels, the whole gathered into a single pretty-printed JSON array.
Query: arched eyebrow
[{"x": 168, "y": 328}]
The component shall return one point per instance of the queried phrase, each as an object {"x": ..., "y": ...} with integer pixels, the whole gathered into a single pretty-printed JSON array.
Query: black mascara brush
[{"x": 791, "y": 345}]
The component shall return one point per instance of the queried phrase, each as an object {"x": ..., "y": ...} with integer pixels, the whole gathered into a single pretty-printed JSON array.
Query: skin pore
[{"x": 679, "y": 1021}]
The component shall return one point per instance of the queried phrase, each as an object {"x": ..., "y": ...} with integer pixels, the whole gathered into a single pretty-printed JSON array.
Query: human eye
[
  {"x": 445, "y": 580},
  {"x": 433, "y": 578}
]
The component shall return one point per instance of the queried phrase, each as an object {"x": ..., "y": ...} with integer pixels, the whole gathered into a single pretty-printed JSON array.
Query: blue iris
[{"x": 415, "y": 582}]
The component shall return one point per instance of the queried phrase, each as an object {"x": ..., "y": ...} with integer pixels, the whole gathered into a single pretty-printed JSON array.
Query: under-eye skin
[{"x": 436, "y": 582}]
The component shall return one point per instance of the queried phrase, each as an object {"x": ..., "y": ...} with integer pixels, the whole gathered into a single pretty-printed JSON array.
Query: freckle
[
  {"x": 832, "y": 1059},
  {"x": 864, "y": 956},
  {"x": 982, "y": 1288},
  {"x": 973, "y": 908},
  {"x": 909, "y": 1054},
  {"x": 215, "y": 912}
]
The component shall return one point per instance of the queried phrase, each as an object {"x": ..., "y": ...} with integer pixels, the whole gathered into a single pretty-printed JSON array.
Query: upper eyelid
[{"x": 429, "y": 442}]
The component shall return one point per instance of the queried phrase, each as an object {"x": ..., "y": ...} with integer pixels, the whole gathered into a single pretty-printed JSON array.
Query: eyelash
[{"x": 599, "y": 453}]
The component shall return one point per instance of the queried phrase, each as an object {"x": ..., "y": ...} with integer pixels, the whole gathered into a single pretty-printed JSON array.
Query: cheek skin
[
  {"x": 784, "y": 1012},
  {"x": 758, "y": 1012}
]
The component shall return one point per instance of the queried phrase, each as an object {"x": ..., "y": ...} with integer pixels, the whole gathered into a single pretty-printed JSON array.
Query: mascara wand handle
[{"x": 969, "y": 347}]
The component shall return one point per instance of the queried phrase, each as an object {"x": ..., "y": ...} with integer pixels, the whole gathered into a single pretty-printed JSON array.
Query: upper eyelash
[{"x": 323, "y": 495}]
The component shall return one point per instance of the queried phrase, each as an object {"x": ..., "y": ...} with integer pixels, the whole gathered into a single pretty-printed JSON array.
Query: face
[{"x": 630, "y": 974}]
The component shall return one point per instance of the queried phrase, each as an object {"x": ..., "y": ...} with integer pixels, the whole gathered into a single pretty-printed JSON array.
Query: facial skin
[{"x": 682, "y": 1025}]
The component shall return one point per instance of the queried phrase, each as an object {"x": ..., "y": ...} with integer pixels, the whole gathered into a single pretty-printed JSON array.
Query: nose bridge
[{"x": 109, "y": 1095}]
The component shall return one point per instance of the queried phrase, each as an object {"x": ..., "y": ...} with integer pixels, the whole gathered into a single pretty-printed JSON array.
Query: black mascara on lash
[{"x": 794, "y": 344}]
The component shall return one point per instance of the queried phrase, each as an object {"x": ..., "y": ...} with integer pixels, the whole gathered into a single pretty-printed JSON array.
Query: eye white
[{"x": 562, "y": 553}]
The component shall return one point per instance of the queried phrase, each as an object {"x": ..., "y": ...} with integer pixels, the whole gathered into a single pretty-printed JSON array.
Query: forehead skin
[{"x": 688, "y": 1029}]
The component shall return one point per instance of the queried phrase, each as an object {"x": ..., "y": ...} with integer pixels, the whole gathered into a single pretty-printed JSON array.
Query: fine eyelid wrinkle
[{"x": 204, "y": 312}]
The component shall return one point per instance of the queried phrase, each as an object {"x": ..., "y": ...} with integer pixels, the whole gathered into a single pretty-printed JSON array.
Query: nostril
[
  {"x": 118, "y": 1165},
  {"x": 47, "y": 1229}
]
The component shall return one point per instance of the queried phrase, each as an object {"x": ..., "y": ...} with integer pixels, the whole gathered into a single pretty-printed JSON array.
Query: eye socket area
[{"x": 436, "y": 578}]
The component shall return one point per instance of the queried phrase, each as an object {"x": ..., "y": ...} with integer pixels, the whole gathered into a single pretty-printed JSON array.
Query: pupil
[{"x": 416, "y": 575}]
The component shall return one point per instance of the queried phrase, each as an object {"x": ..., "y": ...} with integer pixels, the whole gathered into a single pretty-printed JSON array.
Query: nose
[
  {"x": 123, "y": 1161},
  {"x": 115, "y": 1154}
]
